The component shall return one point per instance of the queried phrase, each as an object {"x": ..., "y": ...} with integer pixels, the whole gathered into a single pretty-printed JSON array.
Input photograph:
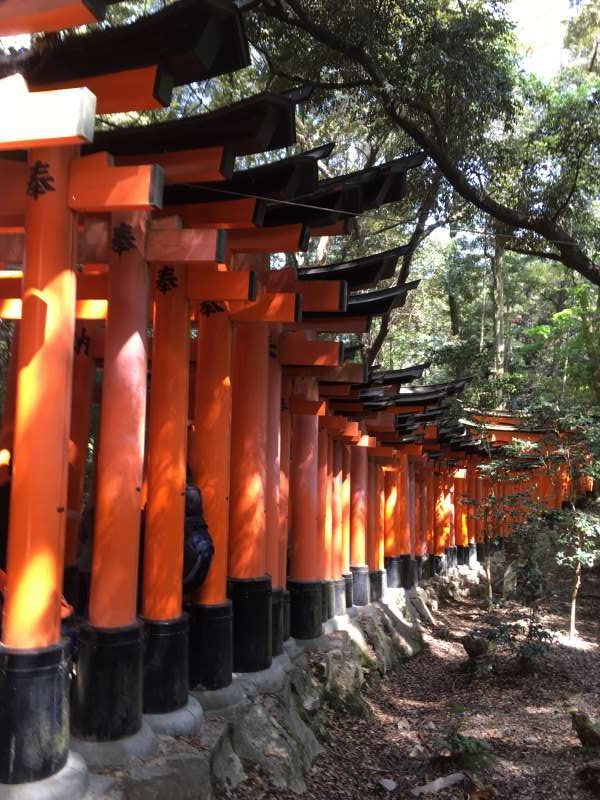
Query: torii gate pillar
[
  {"x": 34, "y": 705},
  {"x": 249, "y": 585}
]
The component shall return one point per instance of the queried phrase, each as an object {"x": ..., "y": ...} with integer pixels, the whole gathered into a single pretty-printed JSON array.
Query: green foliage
[{"x": 577, "y": 538}]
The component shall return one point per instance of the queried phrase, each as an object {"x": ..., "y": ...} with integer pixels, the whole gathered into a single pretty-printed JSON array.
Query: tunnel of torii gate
[{"x": 135, "y": 263}]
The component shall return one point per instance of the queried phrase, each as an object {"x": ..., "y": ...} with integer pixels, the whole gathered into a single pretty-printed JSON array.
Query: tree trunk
[
  {"x": 574, "y": 593},
  {"x": 497, "y": 263},
  {"x": 454, "y": 314}
]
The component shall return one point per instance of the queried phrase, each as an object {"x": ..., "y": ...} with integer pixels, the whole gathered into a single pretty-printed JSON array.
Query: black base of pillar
[
  {"x": 328, "y": 600},
  {"x": 339, "y": 591},
  {"x": 393, "y": 566},
  {"x": 481, "y": 552},
  {"x": 462, "y": 556},
  {"x": 451, "y": 557},
  {"x": 166, "y": 665},
  {"x": 252, "y": 623},
  {"x": 440, "y": 565},
  {"x": 472, "y": 555},
  {"x": 362, "y": 586},
  {"x": 377, "y": 582},
  {"x": 407, "y": 572},
  {"x": 306, "y": 601},
  {"x": 107, "y": 701},
  {"x": 423, "y": 568},
  {"x": 277, "y": 625},
  {"x": 349, "y": 581},
  {"x": 286, "y": 615},
  {"x": 429, "y": 569},
  {"x": 71, "y": 585},
  {"x": 34, "y": 713},
  {"x": 211, "y": 645}
]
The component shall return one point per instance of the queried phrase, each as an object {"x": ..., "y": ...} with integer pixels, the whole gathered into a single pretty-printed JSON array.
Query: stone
[
  {"x": 387, "y": 784},
  {"x": 439, "y": 784},
  {"x": 182, "y": 776}
]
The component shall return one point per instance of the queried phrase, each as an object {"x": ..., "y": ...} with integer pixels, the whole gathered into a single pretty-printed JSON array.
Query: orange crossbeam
[
  {"x": 227, "y": 214},
  {"x": 298, "y": 404},
  {"x": 34, "y": 16},
  {"x": 204, "y": 165},
  {"x": 317, "y": 296},
  {"x": 95, "y": 184},
  {"x": 294, "y": 350},
  {"x": 279, "y": 307},
  {"x": 284, "y": 239},
  {"x": 349, "y": 372}
]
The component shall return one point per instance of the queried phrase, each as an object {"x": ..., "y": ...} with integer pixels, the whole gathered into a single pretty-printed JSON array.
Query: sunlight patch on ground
[{"x": 577, "y": 643}]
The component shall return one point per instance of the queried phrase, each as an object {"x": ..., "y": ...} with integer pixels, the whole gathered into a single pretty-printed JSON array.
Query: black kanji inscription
[
  {"x": 40, "y": 180},
  {"x": 166, "y": 279},
  {"x": 207, "y": 308},
  {"x": 123, "y": 238}
]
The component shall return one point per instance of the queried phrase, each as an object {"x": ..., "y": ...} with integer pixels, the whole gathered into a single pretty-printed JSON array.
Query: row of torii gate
[{"x": 141, "y": 251}]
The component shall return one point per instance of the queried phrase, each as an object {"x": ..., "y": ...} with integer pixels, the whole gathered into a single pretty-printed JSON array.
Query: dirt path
[{"x": 525, "y": 720}]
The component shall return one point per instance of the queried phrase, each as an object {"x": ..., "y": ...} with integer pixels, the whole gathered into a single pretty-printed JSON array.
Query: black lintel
[
  {"x": 369, "y": 304},
  {"x": 191, "y": 40},
  {"x": 265, "y": 121},
  {"x": 284, "y": 178},
  {"x": 346, "y": 195},
  {"x": 400, "y": 375},
  {"x": 360, "y": 273}
]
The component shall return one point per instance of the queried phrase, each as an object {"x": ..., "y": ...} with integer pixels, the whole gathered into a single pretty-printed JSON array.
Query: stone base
[
  {"x": 104, "y": 755},
  {"x": 219, "y": 700},
  {"x": 186, "y": 721},
  {"x": 69, "y": 783}
]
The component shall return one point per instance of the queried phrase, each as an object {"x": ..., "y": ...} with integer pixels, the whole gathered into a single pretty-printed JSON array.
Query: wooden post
[
  {"x": 111, "y": 646},
  {"x": 304, "y": 584},
  {"x": 211, "y": 618},
  {"x": 81, "y": 411},
  {"x": 273, "y": 479},
  {"x": 249, "y": 585},
  {"x": 359, "y": 493},
  {"x": 166, "y": 652}
]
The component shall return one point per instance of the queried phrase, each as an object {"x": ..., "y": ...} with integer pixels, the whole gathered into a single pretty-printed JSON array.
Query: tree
[
  {"x": 578, "y": 546},
  {"x": 444, "y": 74}
]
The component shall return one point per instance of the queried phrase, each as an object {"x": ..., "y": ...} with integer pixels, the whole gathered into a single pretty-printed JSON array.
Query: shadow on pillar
[
  {"x": 328, "y": 600},
  {"x": 339, "y": 590},
  {"x": 107, "y": 698},
  {"x": 440, "y": 565},
  {"x": 252, "y": 623},
  {"x": 287, "y": 621},
  {"x": 423, "y": 568},
  {"x": 451, "y": 558},
  {"x": 211, "y": 645},
  {"x": 277, "y": 615},
  {"x": 349, "y": 581},
  {"x": 34, "y": 714},
  {"x": 377, "y": 582},
  {"x": 305, "y": 609},
  {"x": 480, "y": 552},
  {"x": 166, "y": 665},
  {"x": 362, "y": 587},
  {"x": 393, "y": 566},
  {"x": 408, "y": 572}
]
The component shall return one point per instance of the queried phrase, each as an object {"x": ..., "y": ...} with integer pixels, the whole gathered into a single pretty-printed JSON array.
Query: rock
[
  {"x": 184, "y": 776},
  {"x": 587, "y": 731},
  {"x": 475, "y": 646},
  {"x": 439, "y": 784},
  {"x": 590, "y": 775},
  {"x": 418, "y": 752},
  {"x": 387, "y": 784}
]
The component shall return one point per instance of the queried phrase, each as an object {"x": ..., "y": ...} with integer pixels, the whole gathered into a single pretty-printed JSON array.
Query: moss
[{"x": 352, "y": 703}]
